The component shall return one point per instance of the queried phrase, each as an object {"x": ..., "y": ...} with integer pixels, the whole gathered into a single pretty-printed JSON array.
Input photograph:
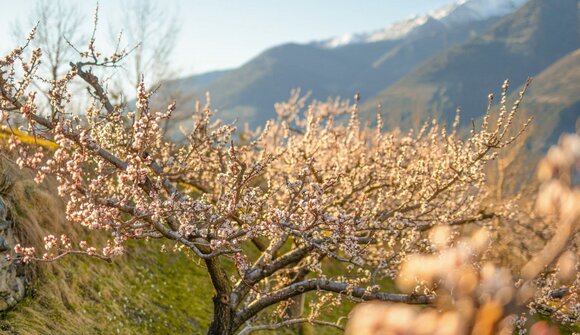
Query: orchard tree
[{"x": 266, "y": 211}]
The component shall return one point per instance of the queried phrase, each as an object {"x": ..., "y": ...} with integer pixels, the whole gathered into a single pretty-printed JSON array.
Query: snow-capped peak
[{"x": 456, "y": 13}]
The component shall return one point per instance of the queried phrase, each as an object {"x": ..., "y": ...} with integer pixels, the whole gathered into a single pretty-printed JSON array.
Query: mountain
[
  {"x": 520, "y": 45},
  {"x": 249, "y": 92}
]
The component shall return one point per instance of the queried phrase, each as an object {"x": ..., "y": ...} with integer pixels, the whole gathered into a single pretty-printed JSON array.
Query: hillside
[
  {"x": 520, "y": 45},
  {"x": 554, "y": 101}
]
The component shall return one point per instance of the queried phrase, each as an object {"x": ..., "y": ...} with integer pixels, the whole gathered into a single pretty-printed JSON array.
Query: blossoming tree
[{"x": 266, "y": 211}]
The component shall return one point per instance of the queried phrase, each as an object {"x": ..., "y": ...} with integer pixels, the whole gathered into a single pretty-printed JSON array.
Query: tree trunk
[
  {"x": 222, "y": 317},
  {"x": 296, "y": 304},
  {"x": 222, "y": 313},
  {"x": 295, "y": 311}
]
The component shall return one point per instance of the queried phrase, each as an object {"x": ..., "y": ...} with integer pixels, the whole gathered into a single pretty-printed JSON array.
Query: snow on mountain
[
  {"x": 459, "y": 12},
  {"x": 344, "y": 40},
  {"x": 397, "y": 30}
]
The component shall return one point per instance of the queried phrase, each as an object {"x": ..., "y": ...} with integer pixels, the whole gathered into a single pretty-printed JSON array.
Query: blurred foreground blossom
[{"x": 474, "y": 296}]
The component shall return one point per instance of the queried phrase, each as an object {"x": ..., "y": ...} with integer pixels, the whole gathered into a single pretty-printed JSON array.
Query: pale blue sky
[{"x": 218, "y": 34}]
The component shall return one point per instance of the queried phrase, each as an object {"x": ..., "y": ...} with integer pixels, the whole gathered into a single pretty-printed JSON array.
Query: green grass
[{"x": 144, "y": 292}]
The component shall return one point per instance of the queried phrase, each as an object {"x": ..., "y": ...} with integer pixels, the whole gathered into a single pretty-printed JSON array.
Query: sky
[{"x": 221, "y": 34}]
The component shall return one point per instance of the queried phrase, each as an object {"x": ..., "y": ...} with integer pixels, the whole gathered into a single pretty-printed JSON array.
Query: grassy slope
[
  {"x": 146, "y": 292},
  {"x": 553, "y": 101}
]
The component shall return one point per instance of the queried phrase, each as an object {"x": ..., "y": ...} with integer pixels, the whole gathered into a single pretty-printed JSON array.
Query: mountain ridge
[{"x": 519, "y": 46}]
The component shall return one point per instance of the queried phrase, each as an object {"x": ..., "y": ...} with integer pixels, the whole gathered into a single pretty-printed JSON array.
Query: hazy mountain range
[{"x": 423, "y": 67}]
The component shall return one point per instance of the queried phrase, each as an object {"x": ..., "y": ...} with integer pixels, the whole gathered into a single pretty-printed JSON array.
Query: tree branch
[
  {"x": 260, "y": 272},
  {"x": 324, "y": 285}
]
